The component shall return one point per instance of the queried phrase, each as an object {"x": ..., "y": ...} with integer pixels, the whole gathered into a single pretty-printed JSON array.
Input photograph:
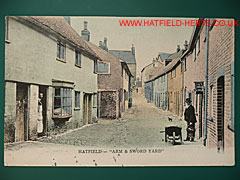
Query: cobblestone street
[{"x": 139, "y": 128}]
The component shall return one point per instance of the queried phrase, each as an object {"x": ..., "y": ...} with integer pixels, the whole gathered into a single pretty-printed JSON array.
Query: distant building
[
  {"x": 129, "y": 58},
  {"x": 46, "y": 57},
  {"x": 148, "y": 71}
]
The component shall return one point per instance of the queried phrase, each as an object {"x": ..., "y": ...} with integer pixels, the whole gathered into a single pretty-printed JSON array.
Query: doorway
[
  {"x": 43, "y": 90},
  {"x": 87, "y": 109},
  {"x": 21, "y": 132},
  {"x": 220, "y": 113}
]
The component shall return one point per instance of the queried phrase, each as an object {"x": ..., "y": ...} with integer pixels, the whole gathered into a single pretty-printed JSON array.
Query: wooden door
[{"x": 21, "y": 132}]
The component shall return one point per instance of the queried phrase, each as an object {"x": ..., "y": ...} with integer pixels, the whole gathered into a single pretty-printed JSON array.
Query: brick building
[
  {"x": 194, "y": 75},
  {"x": 46, "y": 57},
  {"x": 114, "y": 83},
  {"x": 220, "y": 123}
]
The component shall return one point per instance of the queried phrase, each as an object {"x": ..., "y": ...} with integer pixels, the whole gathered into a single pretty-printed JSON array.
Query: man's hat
[{"x": 188, "y": 100}]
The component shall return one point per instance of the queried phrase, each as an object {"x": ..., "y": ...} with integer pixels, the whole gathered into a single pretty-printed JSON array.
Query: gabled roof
[
  {"x": 127, "y": 56},
  {"x": 60, "y": 27},
  {"x": 164, "y": 56}
]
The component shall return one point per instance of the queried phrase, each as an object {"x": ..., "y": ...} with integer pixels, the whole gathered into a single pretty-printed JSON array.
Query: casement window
[
  {"x": 103, "y": 68},
  {"x": 60, "y": 51},
  {"x": 77, "y": 99},
  {"x": 78, "y": 57},
  {"x": 62, "y": 102}
]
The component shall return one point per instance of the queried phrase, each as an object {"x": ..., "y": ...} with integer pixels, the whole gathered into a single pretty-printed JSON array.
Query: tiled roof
[
  {"x": 163, "y": 56},
  {"x": 127, "y": 56},
  {"x": 162, "y": 70},
  {"x": 60, "y": 26},
  {"x": 175, "y": 55}
]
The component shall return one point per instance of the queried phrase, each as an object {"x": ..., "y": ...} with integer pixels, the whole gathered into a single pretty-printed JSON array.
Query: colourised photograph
[{"x": 119, "y": 91}]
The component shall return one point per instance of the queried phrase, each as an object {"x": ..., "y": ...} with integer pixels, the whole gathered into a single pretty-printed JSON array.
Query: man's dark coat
[{"x": 189, "y": 115}]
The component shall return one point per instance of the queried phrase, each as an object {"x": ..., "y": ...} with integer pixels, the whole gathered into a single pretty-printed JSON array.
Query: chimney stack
[
  {"x": 105, "y": 44},
  {"x": 100, "y": 44},
  {"x": 133, "y": 49},
  {"x": 186, "y": 45},
  {"x": 178, "y": 48},
  {"x": 85, "y": 34}
]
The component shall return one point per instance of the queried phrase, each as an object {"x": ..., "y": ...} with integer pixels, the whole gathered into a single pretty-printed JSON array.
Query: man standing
[{"x": 189, "y": 116}]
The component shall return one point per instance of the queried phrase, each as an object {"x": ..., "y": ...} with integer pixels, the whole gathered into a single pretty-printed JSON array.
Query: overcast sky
[{"x": 148, "y": 40}]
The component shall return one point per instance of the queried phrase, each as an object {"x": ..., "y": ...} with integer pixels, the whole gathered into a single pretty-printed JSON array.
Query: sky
[{"x": 148, "y": 40}]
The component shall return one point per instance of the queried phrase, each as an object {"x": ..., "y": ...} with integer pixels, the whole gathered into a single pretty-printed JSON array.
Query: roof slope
[
  {"x": 60, "y": 26},
  {"x": 127, "y": 56},
  {"x": 164, "y": 56}
]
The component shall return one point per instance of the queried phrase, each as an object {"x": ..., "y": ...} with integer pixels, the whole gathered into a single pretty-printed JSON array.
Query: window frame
[
  {"x": 77, "y": 100},
  {"x": 61, "y": 46},
  {"x": 63, "y": 96},
  {"x": 108, "y": 63},
  {"x": 78, "y": 58}
]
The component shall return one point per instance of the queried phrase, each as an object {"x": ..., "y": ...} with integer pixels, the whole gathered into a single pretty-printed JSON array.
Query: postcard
[{"x": 119, "y": 91}]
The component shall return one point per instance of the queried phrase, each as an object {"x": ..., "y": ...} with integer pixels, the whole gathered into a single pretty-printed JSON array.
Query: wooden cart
[{"x": 173, "y": 133}]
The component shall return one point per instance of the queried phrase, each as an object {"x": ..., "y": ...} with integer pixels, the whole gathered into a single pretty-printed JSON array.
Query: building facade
[
  {"x": 114, "y": 84},
  {"x": 128, "y": 57},
  {"x": 220, "y": 123},
  {"x": 194, "y": 77},
  {"x": 49, "y": 73}
]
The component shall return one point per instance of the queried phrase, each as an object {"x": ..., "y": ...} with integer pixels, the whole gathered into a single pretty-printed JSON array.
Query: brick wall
[{"x": 221, "y": 54}]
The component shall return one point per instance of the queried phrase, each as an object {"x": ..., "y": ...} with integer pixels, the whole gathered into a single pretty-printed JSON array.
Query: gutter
[{"x": 206, "y": 88}]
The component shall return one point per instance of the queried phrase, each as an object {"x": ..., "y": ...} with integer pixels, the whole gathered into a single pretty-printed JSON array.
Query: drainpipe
[{"x": 206, "y": 87}]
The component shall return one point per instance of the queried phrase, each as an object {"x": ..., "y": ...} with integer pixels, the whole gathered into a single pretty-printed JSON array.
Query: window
[
  {"x": 62, "y": 102},
  {"x": 78, "y": 57},
  {"x": 194, "y": 53},
  {"x": 175, "y": 72},
  {"x": 184, "y": 65},
  {"x": 77, "y": 99},
  {"x": 198, "y": 46},
  {"x": 60, "y": 51},
  {"x": 103, "y": 67}
]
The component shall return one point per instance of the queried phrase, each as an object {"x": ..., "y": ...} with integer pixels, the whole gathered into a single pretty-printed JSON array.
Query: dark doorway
[
  {"x": 21, "y": 133},
  {"x": 43, "y": 90},
  {"x": 220, "y": 113}
]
